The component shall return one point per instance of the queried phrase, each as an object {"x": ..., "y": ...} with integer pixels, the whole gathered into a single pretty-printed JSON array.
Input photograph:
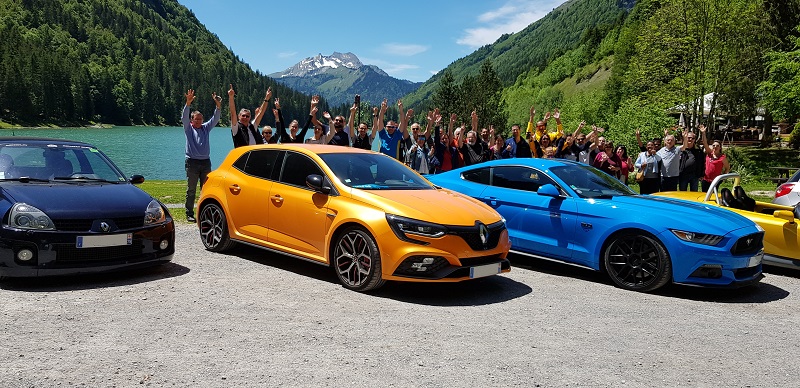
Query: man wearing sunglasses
[{"x": 243, "y": 130}]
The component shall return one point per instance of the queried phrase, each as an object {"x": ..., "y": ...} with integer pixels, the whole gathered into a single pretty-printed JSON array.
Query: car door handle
[
  {"x": 277, "y": 198},
  {"x": 491, "y": 201},
  {"x": 235, "y": 188}
]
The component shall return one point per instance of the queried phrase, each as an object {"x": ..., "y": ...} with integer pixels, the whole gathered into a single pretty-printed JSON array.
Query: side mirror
[
  {"x": 137, "y": 179},
  {"x": 317, "y": 183},
  {"x": 548, "y": 190},
  {"x": 784, "y": 215}
]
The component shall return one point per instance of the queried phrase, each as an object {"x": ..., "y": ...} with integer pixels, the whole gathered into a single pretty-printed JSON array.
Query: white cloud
[
  {"x": 287, "y": 54},
  {"x": 404, "y": 50},
  {"x": 512, "y": 17}
]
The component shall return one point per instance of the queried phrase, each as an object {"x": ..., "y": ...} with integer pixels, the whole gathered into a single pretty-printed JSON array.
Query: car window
[
  {"x": 57, "y": 161},
  {"x": 589, "y": 182},
  {"x": 519, "y": 178},
  {"x": 296, "y": 168},
  {"x": 373, "y": 171},
  {"x": 260, "y": 163},
  {"x": 480, "y": 175}
]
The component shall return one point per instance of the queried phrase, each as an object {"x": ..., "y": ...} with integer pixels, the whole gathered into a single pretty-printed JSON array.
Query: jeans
[
  {"x": 196, "y": 170},
  {"x": 687, "y": 181}
]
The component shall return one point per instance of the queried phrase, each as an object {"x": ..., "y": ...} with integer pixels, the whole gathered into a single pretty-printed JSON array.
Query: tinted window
[
  {"x": 297, "y": 167},
  {"x": 373, "y": 171},
  {"x": 589, "y": 182},
  {"x": 519, "y": 178},
  {"x": 480, "y": 175},
  {"x": 260, "y": 163}
]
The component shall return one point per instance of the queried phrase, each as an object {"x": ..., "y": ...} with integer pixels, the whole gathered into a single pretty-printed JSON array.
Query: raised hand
[
  {"x": 314, "y": 100},
  {"x": 582, "y": 124},
  {"x": 217, "y": 98},
  {"x": 189, "y": 97},
  {"x": 269, "y": 94},
  {"x": 409, "y": 114},
  {"x": 638, "y": 132},
  {"x": 430, "y": 116},
  {"x": 701, "y": 128},
  {"x": 453, "y": 117},
  {"x": 400, "y": 105},
  {"x": 384, "y": 105},
  {"x": 326, "y": 115},
  {"x": 437, "y": 116},
  {"x": 354, "y": 107},
  {"x": 533, "y": 112},
  {"x": 547, "y": 116},
  {"x": 275, "y": 112},
  {"x": 277, "y": 103},
  {"x": 491, "y": 131},
  {"x": 556, "y": 114},
  {"x": 314, "y": 110},
  {"x": 374, "y": 110},
  {"x": 231, "y": 93}
]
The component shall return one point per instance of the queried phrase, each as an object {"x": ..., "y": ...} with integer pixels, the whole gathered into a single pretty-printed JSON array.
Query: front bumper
[{"x": 56, "y": 253}]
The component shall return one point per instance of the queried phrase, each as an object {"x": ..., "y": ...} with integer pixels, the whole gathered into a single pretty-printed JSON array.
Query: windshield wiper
[{"x": 26, "y": 179}]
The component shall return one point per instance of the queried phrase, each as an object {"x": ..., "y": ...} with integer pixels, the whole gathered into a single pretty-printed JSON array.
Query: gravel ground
[{"x": 254, "y": 318}]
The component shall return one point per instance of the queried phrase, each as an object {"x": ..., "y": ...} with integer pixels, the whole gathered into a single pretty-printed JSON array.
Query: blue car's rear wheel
[
  {"x": 637, "y": 262},
  {"x": 357, "y": 261}
]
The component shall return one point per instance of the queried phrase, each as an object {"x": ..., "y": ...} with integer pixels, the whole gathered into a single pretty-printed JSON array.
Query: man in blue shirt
[
  {"x": 198, "y": 162},
  {"x": 391, "y": 136}
]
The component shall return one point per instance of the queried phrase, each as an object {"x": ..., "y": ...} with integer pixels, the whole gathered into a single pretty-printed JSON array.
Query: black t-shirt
[
  {"x": 474, "y": 154},
  {"x": 523, "y": 148}
]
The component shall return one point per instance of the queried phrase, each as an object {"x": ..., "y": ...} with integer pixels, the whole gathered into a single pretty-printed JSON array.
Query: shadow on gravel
[
  {"x": 477, "y": 292},
  {"x": 494, "y": 289},
  {"x": 92, "y": 281},
  {"x": 759, "y": 293}
]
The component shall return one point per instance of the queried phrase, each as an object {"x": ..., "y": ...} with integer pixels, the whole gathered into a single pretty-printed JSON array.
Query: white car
[{"x": 788, "y": 194}]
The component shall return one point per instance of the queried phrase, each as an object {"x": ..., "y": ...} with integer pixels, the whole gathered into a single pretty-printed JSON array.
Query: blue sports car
[
  {"x": 570, "y": 212},
  {"x": 67, "y": 209}
]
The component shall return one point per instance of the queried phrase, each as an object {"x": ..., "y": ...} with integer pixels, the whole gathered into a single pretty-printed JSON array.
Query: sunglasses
[
  {"x": 391, "y": 126},
  {"x": 245, "y": 116},
  {"x": 337, "y": 120},
  {"x": 268, "y": 133}
]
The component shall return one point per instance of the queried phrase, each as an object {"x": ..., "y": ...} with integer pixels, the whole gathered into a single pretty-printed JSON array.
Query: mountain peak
[{"x": 319, "y": 64}]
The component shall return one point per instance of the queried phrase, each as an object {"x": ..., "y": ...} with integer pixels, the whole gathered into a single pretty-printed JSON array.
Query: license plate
[
  {"x": 111, "y": 240},
  {"x": 484, "y": 270}
]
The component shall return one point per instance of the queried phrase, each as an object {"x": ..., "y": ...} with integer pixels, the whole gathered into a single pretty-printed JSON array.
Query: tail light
[{"x": 784, "y": 189}]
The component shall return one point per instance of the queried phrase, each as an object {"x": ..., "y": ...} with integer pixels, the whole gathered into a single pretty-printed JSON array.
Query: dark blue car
[
  {"x": 67, "y": 209},
  {"x": 570, "y": 212}
]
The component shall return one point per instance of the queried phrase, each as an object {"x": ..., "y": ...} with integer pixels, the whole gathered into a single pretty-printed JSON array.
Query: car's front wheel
[
  {"x": 357, "y": 261},
  {"x": 214, "y": 228},
  {"x": 637, "y": 262}
]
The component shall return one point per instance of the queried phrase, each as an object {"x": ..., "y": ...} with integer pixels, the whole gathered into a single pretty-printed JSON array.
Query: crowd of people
[{"x": 440, "y": 148}]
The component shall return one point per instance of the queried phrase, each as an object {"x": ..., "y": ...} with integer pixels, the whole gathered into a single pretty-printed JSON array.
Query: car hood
[
  {"x": 439, "y": 206},
  {"x": 72, "y": 200},
  {"x": 683, "y": 214}
]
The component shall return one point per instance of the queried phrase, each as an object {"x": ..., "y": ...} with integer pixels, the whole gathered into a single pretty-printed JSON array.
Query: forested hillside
[
  {"x": 641, "y": 67},
  {"x": 70, "y": 62}
]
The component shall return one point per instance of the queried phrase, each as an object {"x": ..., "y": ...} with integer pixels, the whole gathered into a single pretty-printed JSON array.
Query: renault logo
[
  {"x": 483, "y": 232},
  {"x": 104, "y": 227}
]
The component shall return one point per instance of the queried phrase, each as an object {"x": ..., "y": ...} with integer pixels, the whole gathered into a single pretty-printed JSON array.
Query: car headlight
[
  {"x": 698, "y": 238},
  {"x": 154, "y": 213},
  {"x": 406, "y": 228},
  {"x": 24, "y": 216}
]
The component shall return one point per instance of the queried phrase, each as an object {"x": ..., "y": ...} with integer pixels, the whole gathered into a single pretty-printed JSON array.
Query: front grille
[
  {"x": 82, "y": 225},
  {"x": 471, "y": 235},
  {"x": 70, "y": 254},
  {"x": 749, "y": 244}
]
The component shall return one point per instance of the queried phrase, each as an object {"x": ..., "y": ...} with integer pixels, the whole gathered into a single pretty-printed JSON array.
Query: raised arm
[
  {"x": 450, "y": 128},
  {"x": 352, "y": 119},
  {"x": 232, "y": 105},
  {"x": 559, "y": 127},
  {"x": 702, "y": 129},
  {"x": 375, "y": 127},
  {"x": 185, "y": 119},
  {"x": 683, "y": 139},
  {"x": 529, "y": 129},
  {"x": 263, "y": 108},
  {"x": 279, "y": 120},
  {"x": 403, "y": 116},
  {"x": 215, "y": 117},
  {"x": 381, "y": 113},
  {"x": 639, "y": 138}
]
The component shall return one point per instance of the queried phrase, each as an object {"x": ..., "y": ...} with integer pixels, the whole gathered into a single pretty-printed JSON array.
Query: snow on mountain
[{"x": 318, "y": 64}]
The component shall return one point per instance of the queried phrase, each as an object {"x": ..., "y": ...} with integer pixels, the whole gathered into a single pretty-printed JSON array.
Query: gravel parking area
[{"x": 254, "y": 318}]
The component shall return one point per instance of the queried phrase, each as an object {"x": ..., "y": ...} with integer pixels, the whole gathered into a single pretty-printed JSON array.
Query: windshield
[
  {"x": 40, "y": 161},
  {"x": 373, "y": 172},
  {"x": 589, "y": 182}
]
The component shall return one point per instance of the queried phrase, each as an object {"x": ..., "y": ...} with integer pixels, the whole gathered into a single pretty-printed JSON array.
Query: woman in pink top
[
  {"x": 626, "y": 164},
  {"x": 716, "y": 161}
]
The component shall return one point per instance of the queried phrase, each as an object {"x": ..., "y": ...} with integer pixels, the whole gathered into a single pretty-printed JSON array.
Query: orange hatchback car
[{"x": 365, "y": 214}]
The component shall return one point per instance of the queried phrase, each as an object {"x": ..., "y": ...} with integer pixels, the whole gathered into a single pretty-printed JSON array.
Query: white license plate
[
  {"x": 484, "y": 270},
  {"x": 111, "y": 240}
]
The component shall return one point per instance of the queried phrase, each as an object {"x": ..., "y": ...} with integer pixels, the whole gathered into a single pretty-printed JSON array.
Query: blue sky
[{"x": 409, "y": 39}]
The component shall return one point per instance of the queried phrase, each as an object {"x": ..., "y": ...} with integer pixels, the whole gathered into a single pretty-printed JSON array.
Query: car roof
[
  {"x": 313, "y": 148},
  {"x": 530, "y": 162},
  {"x": 40, "y": 141}
]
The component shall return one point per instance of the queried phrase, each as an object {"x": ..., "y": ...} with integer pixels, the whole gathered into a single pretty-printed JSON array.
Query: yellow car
[
  {"x": 365, "y": 214},
  {"x": 780, "y": 223}
]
